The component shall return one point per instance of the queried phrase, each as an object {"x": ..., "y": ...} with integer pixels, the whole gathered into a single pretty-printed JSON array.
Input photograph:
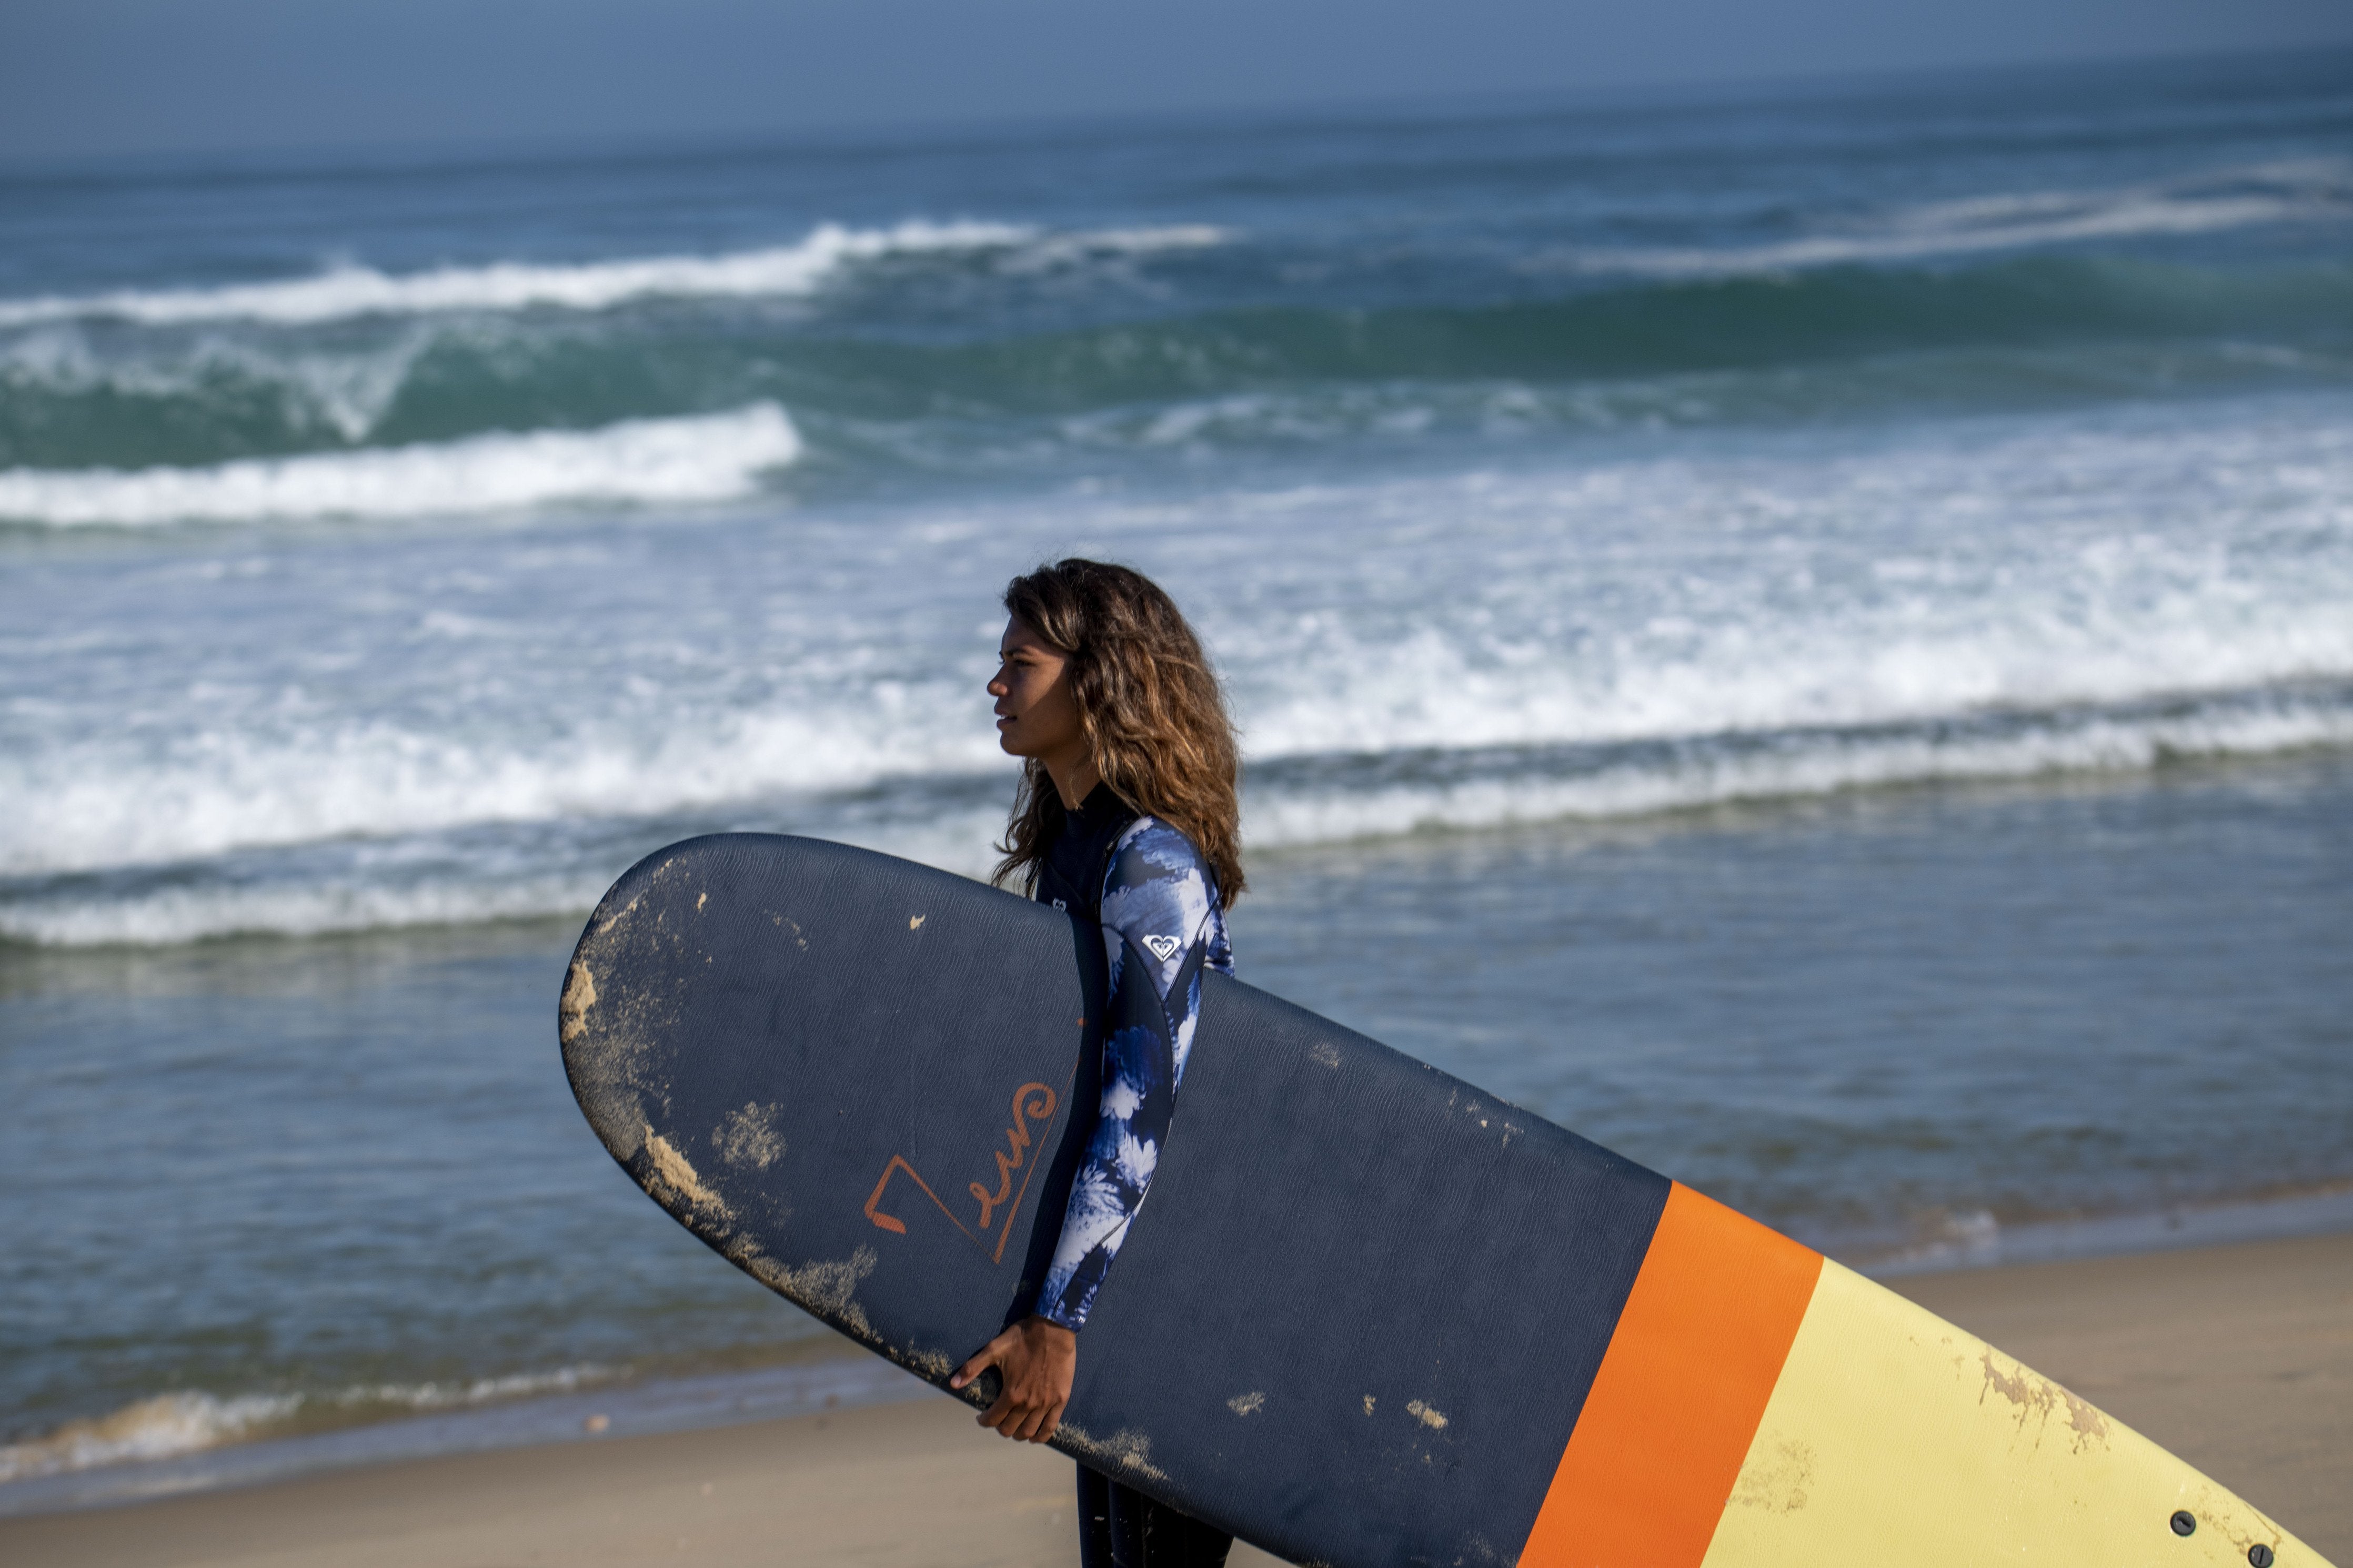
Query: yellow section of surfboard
[{"x": 1895, "y": 1440}]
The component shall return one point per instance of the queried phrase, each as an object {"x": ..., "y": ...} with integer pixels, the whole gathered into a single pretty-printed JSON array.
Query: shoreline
[
  {"x": 2238, "y": 1357},
  {"x": 1976, "y": 1241},
  {"x": 812, "y": 1376}
]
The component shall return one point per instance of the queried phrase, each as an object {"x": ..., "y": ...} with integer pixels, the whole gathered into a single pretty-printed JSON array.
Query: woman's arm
[
  {"x": 1160, "y": 927},
  {"x": 1158, "y": 921}
]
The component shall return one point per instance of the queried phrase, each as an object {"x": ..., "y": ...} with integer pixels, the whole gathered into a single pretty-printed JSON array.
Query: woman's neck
[{"x": 1074, "y": 778}]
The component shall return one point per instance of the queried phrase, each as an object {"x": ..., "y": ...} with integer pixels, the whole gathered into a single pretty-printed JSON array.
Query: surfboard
[{"x": 1368, "y": 1315}]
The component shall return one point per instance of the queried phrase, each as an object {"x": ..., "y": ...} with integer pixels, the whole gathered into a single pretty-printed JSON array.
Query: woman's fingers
[
  {"x": 1028, "y": 1408},
  {"x": 1029, "y": 1422},
  {"x": 974, "y": 1367},
  {"x": 1025, "y": 1419},
  {"x": 993, "y": 1353}
]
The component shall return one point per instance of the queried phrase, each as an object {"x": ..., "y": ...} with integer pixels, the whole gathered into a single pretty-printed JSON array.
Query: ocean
[{"x": 1805, "y": 633}]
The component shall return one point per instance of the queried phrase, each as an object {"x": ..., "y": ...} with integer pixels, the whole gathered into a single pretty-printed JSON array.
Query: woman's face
[{"x": 1035, "y": 714}]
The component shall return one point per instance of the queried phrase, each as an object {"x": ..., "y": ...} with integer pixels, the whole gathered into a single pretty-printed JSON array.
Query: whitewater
[
  {"x": 1798, "y": 616},
  {"x": 798, "y": 267},
  {"x": 638, "y": 461}
]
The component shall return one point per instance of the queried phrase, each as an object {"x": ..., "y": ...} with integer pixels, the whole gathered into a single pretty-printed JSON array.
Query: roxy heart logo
[{"x": 1163, "y": 948}]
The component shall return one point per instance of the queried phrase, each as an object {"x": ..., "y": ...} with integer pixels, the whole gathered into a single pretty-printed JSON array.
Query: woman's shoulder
[
  {"x": 1148, "y": 848},
  {"x": 1152, "y": 852},
  {"x": 1159, "y": 885}
]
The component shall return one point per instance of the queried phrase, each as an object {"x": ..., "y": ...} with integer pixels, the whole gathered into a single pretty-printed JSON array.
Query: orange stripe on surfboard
[{"x": 1668, "y": 1423}]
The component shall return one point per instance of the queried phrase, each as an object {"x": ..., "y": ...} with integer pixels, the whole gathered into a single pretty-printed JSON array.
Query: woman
[{"x": 1126, "y": 812}]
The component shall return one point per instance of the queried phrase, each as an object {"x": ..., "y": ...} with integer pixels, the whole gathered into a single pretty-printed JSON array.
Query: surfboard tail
[{"x": 1830, "y": 1422}]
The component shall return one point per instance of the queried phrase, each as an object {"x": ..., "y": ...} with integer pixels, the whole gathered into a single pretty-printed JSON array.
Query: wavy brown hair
[{"x": 1151, "y": 706}]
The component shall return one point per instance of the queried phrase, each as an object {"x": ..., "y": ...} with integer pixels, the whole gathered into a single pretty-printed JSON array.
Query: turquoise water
[{"x": 1809, "y": 637}]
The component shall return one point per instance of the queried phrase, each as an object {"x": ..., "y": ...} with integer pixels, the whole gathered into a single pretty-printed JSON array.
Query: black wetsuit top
[{"x": 1072, "y": 876}]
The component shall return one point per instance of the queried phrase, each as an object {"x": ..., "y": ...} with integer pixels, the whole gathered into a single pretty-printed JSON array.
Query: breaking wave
[
  {"x": 707, "y": 458},
  {"x": 432, "y": 879},
  {"x": 1677, "y": 351},
  {"x": 1322, "y": 804},
  {"x": 2305, "y": 191},
  {"x": 346, "y": 291}
]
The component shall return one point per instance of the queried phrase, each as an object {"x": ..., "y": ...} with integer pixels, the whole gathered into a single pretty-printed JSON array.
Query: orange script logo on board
[{"x": 1032, "y": 1103}]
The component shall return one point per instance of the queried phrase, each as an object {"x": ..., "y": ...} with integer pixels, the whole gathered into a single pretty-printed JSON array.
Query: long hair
[{"x": 1149, "y": 703}]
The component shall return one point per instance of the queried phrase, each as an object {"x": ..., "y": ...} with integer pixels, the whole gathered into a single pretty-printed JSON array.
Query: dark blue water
[{"x": 1807, "y": 637}]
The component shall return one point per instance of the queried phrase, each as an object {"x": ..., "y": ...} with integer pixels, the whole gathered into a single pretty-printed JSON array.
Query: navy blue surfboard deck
[{"x": 1368, "y": 1315}]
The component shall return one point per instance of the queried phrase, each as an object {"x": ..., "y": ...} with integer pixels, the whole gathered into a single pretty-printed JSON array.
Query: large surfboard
[{"x": 1368, "y": 1316}]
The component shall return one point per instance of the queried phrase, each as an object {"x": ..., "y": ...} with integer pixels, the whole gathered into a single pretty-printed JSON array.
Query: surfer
[{"x": 1126, "y": 812}]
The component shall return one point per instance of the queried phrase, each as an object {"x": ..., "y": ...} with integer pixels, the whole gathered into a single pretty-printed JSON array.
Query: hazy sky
[{"x": 79, "y": 76}]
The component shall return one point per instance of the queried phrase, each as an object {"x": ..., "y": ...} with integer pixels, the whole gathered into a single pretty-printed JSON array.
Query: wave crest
[
  {"x": 706, "y": 458},
  {"x": 2305, "y": 191},
  {"x": 802, "y": 268},
  {"x": 1289, "y": 803},
  {"x": 1677, "y": 352}
]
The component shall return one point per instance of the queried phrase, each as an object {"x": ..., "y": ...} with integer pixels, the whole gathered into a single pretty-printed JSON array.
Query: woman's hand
[{"x": 1037, "y": 1360}]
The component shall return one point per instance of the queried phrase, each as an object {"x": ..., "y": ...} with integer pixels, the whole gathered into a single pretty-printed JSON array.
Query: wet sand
[{"x": 2238, "y": 1358}]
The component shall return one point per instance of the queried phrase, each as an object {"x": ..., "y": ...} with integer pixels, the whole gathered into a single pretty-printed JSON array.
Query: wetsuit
[{"x": 1156, "y": 901}]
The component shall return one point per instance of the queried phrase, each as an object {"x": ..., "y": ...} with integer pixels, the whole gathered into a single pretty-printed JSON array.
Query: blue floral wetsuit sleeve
[{"x": 1161, "y": 927}]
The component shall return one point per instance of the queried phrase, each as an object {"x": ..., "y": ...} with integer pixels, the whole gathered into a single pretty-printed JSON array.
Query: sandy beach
[{"x": 2238, "y": 1358}]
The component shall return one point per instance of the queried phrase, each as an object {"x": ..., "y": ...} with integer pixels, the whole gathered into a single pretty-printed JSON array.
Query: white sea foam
[
  {"x": 167, "y": 916},
  {"x": 1305, "y": 802},
  {"x": 173, "y": 1424},
  {"x": 2309, "y": 191},
  {"x": 1694, "y": 777},
  {"x": 1761, "y": 593},
  {"x": 1639, "y": 634},
  {"x": 106, "y": 804},
  {"x": 153, "y": 1428},
  {"x": 704, "y": 457},
  {"x": 1675, "y": 679},
  {"x": 784, "y": 270},
  {"x": 354, "y": 895}
]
